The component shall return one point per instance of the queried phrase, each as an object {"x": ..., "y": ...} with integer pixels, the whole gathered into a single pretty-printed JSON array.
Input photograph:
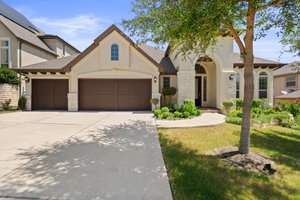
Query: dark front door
[
  {"x": 198, "y": 88},
  {"x": 114, "y": 94},
  {"x": 49, "y": 94}
]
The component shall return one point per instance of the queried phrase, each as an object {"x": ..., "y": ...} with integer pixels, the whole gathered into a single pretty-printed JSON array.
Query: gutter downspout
[{"x": 20, "y": 65}]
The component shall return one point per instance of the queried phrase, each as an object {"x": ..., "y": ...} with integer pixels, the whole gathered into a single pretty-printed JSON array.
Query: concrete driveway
[{"x": 85, "y": 155}]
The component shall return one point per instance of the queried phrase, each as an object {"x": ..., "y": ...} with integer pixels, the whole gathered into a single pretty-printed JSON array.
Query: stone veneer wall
[{"x": 8, "y": 91}]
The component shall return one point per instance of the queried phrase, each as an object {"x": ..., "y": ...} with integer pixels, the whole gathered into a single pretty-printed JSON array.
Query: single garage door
[
  {"x": 49, "y": 94},
  {"x": 114, "y": 94}
]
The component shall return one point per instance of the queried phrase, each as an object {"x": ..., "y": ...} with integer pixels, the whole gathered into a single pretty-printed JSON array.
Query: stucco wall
[
  {"x": 7, "y": 92},
  {"x": 57, "y": 47},
  {"x": 5, "y": 33}
]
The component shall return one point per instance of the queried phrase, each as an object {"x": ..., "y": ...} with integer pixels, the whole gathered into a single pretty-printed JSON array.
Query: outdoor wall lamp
[
  {"x": 27, "y": 80},
  {"x": 231, "y": 76},
  {"x": 155, "y": 79}
]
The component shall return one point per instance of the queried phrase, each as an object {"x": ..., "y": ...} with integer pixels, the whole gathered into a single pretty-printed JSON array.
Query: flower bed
[{"x": 173, "y": 112}]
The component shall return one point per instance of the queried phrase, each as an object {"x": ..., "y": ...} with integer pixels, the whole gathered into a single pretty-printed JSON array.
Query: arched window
[
  {"x": 238, "y": 85},
  {"x": 263, "y": 85},
  {"x": 114, "y": 52},
  {"x": 200, "y": 69}
]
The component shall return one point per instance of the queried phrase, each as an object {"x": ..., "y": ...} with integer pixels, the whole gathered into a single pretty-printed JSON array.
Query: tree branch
[
  {"x": 270, "y": 4},
  {"x": 235, "y": 36}
]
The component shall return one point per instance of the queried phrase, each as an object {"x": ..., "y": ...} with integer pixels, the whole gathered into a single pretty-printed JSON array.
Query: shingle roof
[
  {"x": 258, "y": 62},
  {"x": 55, "y": 65},
  {"x": 292, "y": 95},
  {"x": 288, "y": 69},
  {"x": 18, "y": 18},
  {"x": 159, "y": 56},
  {"x": 25, "y": 35}
]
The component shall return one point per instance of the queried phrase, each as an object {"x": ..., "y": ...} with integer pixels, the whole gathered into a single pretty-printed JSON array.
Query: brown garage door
[
  {"x": 49, "y": 94},
  {"x": 114, "y": 94}
]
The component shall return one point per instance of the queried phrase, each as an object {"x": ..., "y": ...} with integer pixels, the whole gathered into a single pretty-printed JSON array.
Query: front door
[{"x": 198, "y": 90}]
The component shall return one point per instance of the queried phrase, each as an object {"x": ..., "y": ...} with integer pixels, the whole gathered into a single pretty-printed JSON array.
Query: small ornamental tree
[
  {"x": 196, "y": 25},
  {"x": 169, "y": 92}
]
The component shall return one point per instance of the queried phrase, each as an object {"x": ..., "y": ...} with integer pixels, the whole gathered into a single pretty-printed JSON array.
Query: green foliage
[
  {"x": 189, "y": 106},
  {"x": 256, "y": 110},
  {"x": 165, "y": 115},
  {"x": 9, "y": 76},
  {"x": 173, "y": 107},
  {"x": 256, "y": 103},
  {"x": 234, "y": 120},
  {"x": 157, "y": 113},
  {"x": 186, "y": 114},
  {"x": 236, "y": 113},
  {"x": 165, "y": 109},
  {"x": 239, "y": 103},
  {"x": 169, "y": 91},
  {"x": 291, "y": 107},
  {"x": 177, "y": 114},
  {"x": 228, "y": 104},
  {"x": 22, "y": 103},
  {"x": 6, "y": 105},
  {"x": 285, "y": 118},
  {"x": 198, "y": 113}
]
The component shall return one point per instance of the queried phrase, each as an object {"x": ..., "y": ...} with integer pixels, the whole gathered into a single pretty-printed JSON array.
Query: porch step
[{"x": 210, "y": 110}]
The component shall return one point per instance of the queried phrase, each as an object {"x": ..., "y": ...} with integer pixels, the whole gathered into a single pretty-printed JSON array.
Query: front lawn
[{"x": 194, "y": 174}]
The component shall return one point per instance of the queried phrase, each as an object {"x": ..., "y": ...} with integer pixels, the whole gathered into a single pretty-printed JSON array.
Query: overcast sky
[{"x": 80, "y": 21}]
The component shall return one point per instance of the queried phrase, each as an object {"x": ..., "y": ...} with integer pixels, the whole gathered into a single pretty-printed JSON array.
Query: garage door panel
[
  {"x": 49, "y": 94},
  {"x": 114, "y": 94}
]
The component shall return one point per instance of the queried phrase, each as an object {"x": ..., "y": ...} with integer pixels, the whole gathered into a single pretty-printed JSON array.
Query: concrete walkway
[
  {"x": 81, "y": 156},
  {"x": 206, "y": 119}
]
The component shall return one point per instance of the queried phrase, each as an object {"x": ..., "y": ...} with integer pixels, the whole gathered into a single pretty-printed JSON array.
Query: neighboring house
[
  {"x": 114, "y": 73},
  {"x": 22, "y": 43},
  {"x": 286, "y": 83}
]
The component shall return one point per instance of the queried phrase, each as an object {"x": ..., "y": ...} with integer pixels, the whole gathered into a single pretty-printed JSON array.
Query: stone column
[
  {"x": 186, "y": 85},
  {"x": 28, "y": 93},
  {"x": 73, "y": 102}
]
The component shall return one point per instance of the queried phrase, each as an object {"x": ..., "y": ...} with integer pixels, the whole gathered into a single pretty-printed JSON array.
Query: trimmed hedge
[{"x": 9, "y": 76}]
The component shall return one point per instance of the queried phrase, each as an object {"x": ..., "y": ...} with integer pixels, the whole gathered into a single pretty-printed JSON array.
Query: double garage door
[{"x": 94, "y": 94}]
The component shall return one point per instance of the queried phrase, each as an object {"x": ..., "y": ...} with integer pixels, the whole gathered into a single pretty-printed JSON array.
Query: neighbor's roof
[
  {"x": 258, "y": 62},
  {"x": 55, "y": 65},
  {"x": 159, "y": 56},
  {"x": 292, "y": 95},
  {"x": 49, "y": 36},
  {"x": 288, "y": 69},
  {"x": 15, "y": 16},
  {"x": 25, "y": 35}
]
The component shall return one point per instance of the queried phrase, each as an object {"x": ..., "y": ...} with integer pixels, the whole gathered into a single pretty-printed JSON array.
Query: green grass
[{"x": 194, "y": 174}]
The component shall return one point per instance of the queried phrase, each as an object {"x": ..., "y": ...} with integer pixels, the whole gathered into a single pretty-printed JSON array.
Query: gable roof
[
  {"x": 103, "y": 36},
  {"x": 15, "y": 16},
  {"x": 25, "y": 35},
  {"x": 49, "y": 36},
  {"x": 288, "y": 69}
]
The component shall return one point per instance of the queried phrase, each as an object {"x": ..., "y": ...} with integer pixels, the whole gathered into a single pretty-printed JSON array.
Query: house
[
  {"x": 286, "y": 83},
  {"x": 22, "y": 43},
  {"x": 114, "y": 73}
]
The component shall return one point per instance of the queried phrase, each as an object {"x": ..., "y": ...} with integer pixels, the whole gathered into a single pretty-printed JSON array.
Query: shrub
[
  {"x": 285, "y": 118},
  {"x": 6, "y": 105},
  {"x": 186, "y": 114},
  {"x": 154, "y": 101},
  {"x": 157, "y": 112},
  {"x": 256, "y": 103},
  {"x": 256, "y": 110},
  {"x": 236, "y": 113},
  {"x": 189, "y": 106},
  {"x": 165, "y": 115},
  {"x": 268, "y": 111},
  {"x": 9, "y": 76},
  {"x": 22, "y": 103},
  {"x": 165, "y": 109},
  {"x": 177, "y": 114},
  {"x": 169, "y": 91},
  {"x": 291, "y": 107},
  {"x": 239, "y": 104},
  {"x": 228, "y": 104},
  {"x": 199, "y": 112},
  {"x": 173, "y": 107},
  {"x": 234, "y": 120}
]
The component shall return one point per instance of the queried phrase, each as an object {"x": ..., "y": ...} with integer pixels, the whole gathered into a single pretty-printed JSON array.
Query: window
[
  {"x": 263, "y": 85},
  {"x": 114, "y": 52},
  {"x": 200, "y": 69},
  {"x": 291, "y": 81},
  {"x": 64, "y": 50},
  {"x": 4, "y": 53},
  {"x": 238, "y": 83},
  {"x": 166, "y": 82}
]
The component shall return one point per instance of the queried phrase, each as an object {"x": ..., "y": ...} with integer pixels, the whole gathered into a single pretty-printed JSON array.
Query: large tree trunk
[{"x": 249, "y": 85}]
